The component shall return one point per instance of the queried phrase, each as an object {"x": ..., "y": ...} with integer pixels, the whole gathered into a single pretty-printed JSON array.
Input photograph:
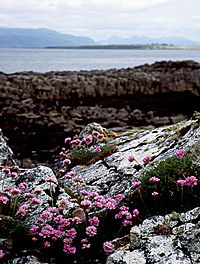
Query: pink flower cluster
[
  {"x": 135, "y": 184},
  {"x": 154, "y": 179},
  {"x": 146, "y": 160},
  {"x": 125, "y": 215},
  {"x": 108, "y": 247},
  {"x": 189, "y": 181},
  {"x": 180, "y": 153}
]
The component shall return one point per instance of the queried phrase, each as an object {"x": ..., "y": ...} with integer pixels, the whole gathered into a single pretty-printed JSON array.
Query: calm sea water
[{"x": 43, "y": 60}]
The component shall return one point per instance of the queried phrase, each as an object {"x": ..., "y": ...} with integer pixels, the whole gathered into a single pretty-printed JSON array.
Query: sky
[{"x": 101, "y": 19}]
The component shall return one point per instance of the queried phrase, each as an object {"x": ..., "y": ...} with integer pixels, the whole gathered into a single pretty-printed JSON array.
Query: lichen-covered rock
[
  {"x": 179, "y": 243},
  {"x": 114, "y": 174},
  {"x": 5, "y": 152},
  {"x": 127, "y": 257},
  {"x": 25, "y": 260}
]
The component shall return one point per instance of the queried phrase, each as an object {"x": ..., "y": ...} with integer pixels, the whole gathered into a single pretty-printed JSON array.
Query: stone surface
[
  {"x": 25, "y": 260},
  {"x": 114, "y": 174},
  {"x": 180, "y": 245},
  {"x": 5, "y": 152}
]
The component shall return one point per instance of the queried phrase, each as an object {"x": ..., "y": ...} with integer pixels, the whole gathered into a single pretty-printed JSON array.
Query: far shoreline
[{"x": 128, "y": 47}]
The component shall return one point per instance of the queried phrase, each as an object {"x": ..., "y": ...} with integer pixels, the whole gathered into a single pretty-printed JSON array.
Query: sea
[{"x": 44, "y": 60}]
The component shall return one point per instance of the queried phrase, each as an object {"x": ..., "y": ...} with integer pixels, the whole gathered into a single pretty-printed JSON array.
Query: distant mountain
[
  {"x": 39, "y": 38},
  {"x": 134, "y": 40}
]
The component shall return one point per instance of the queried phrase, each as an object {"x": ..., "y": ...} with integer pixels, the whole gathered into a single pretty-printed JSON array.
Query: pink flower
[
  {"x": 131, "y": 159},
  {"x": 15, "y": 191},
  {"x": 180, "y": 153},
  {"x": 23, "y": 186},
  {"x": 47, "y": 244},
  {"x": 46, "y": 216},
  {"x": 88, "y": 139},
  {"x": 191, "y": 181},
  {"x": 135, "y": 184},
  {"x": 23, "y": 210},
  {"x": 14, "y": 175},
  {"x": 154, "y": 194},
  {"x": 100, "y": 136},
  {"x": 37, "y": 191},
  {"x": 71, "y": 233},
  {"x": 51, "y": 179},
  {"x": 36, "y": 201},
  {"x": 75, "y": 142},
  {"x": 86, "y": 203},
  {"x": 135, "y": 212},
  {"x": 91, "y": 231},
  {"x": 181, "y": 182},
  {"x": 28, "y": 195},
  {"x": 127, "y": 222},
  {"x": 146, "y": 159},
  {"x": 57, "y": 233},
  {"x": 70, "y": 175},
  {"x": 94, "y": 221},
  {"x": 119, "y": 197},
  {"x": 67, "y": 162},
  {"x": 46, "y": 231},
  {"x": 34, "y": 230},
  {"x": 97, "y": 150},
  {"x": 67, "y": 140},
  {"x": 85, "y": 246},
  {"x": 2, "y": 254},
  {"x": 154, "y": 179},
  {"x": 3, "y": 200},
  {"x": 110, "y": 204},
  {"x": 95, "y": 133},
  {"x": 6, "y": 170},
  {"x": 108, "y": 247}
]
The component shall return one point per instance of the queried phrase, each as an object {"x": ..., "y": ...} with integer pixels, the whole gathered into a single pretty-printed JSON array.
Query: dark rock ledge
[
  {"x": 44, "y": 107},
  {"x": 114, "y": 175}
]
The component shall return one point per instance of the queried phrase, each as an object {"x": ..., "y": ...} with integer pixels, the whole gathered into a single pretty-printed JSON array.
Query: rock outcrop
[
  {"x": 42, "y": 107},
  {"x": 172, "y": 238}
]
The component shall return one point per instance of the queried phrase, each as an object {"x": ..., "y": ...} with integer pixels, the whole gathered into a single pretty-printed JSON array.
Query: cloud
[{"x": 104, "y": 18}]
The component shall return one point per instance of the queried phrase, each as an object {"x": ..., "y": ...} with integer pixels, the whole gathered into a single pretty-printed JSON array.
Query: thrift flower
[
  {"x": 6, "y": 170},
  {"x": 4, "y": 199},
  {"x": 119, "y": 197},
  {"x": 67, "y": 162},
  {"x": 135, "y": 212},
  {"x": 131, "y": 159},
  {"x": 154, "y": 179},
  {"x": 154, "y": 194},
  {"x": 146, "y": 160},
  {"x": 135, "y": 184},
  {"x": 180, "y": 153},
  {"x": 181, "y": 182},
  {"x": 94, "y": 221},
  {"x": 97, "y": 150},
  {"x": 88, "y": 139},
  {"x": 2, "y": 254},
  {"x": 67, "y": 140},
  {"x": 91, "y": 231},
  {"x": 191, "y": 181},
  {"x": 108, "y": 247}
]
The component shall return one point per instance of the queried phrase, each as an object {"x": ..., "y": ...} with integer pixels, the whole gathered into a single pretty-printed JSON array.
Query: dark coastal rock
[{"x": 43, "y": 107}]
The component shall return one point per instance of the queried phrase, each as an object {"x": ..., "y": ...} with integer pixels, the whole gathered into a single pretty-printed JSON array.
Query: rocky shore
[
  {"x": 44, "y": 107},
  {"x": 172, "y": 236}
]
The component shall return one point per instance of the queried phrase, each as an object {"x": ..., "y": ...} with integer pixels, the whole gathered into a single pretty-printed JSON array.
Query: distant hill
[
  {"x": 134, "y": 40},
  {"x": 39, "y": 38}
]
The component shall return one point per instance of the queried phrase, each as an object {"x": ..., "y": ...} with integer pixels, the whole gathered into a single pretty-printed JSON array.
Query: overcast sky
[{"x": 101, "y": 19}]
